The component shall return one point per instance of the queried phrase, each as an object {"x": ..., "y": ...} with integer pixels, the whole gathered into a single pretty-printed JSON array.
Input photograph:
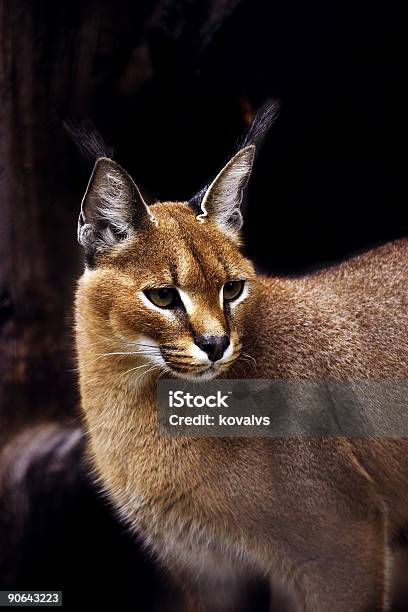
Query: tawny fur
[{"x": 316, "y": 515}]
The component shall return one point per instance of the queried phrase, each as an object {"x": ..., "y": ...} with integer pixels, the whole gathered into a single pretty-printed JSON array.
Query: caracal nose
[{"x": 214, "y": 346}]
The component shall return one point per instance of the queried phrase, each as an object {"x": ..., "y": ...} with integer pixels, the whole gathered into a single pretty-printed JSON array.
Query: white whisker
[
  {"x": 249, "y": 357},
  {"x": 144, "y": 365},
  {"x": 154, "y": 367}
]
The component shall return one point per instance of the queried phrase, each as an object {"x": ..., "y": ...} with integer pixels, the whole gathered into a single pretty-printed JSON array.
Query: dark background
[{"x": 170, "y": 85}]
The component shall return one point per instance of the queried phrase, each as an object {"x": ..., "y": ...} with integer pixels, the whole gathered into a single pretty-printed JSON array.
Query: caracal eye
[
  {"x": 233, "y": 289},
  {"x": 165, "y": 297}
]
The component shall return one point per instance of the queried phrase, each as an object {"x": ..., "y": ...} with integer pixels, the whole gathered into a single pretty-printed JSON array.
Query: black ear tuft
[
  {"x": 254, "y": 136},
  {"x": 111, "y": 208},
  {"x": 260, "y": 125},
  {"x": 88, "y": 139}
]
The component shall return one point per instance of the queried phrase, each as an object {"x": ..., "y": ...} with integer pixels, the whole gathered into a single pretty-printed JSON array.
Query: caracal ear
[
  {"x": 222, "y": 200},
  {"x": 111, "y": 208}
]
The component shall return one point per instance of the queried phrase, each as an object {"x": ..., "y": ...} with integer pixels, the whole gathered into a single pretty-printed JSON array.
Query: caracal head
[{"x": 166, "y": 284}]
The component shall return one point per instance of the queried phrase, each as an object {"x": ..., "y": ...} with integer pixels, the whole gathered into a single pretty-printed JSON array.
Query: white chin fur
[{"x": 206, "y": 375}]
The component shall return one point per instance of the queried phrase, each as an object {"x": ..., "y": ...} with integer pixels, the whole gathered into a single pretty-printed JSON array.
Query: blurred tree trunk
[{"x": 37, "y": 260}]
